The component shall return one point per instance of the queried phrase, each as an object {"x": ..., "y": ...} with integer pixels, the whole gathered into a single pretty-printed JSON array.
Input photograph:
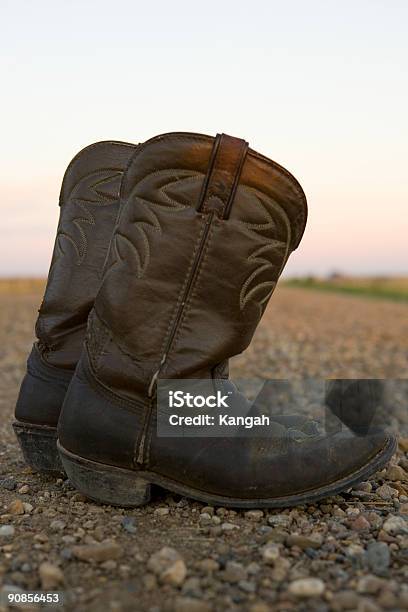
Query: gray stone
[
  {"x": 229, "y": 527},
  {"x": 128, "y": 524},
  {"x": 386, "y": 492},
  {"x": 8, "y": 483},
  {"x": 278, "y": 520},
  {"x": 57, "y": 525},
  {"x": 247, "y": 586},
  {"x": 66, "y": 554},
  {"x": 378, "y": 557},
  {"x": 234, "y": 572},
  {"x": 206, "y": 519},
  {"x": 7, "y": 531},
  {"x": 396, "y": 525}
]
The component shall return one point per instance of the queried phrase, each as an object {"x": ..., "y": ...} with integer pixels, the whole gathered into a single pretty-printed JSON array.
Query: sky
[{"x": 320, "y": 86}]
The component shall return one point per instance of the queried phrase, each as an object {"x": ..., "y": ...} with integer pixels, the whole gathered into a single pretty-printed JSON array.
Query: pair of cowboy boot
[{"x": 169, "y": 252}]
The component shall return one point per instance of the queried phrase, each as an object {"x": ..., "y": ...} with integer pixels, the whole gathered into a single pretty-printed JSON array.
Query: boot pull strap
[{"x": 223, "y": 174}]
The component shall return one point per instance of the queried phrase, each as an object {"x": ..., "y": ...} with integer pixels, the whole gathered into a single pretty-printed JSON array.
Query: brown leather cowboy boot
[
  {"x": 205, "y": 229},
  {"x": 89, "y": 203}
]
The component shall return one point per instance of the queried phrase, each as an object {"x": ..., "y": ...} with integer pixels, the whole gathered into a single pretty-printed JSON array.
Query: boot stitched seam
[
  {"x": 187, "y": 307},
  {"x": 149, "y": 432},
  {"x": 183, "y": 287}
]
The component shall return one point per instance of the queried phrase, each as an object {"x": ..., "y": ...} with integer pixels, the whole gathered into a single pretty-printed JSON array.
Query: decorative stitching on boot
[
  {"x": 247, "y": 292},
  {"x": 102, "y": 199},
  {"x": 145, "y": 227}
]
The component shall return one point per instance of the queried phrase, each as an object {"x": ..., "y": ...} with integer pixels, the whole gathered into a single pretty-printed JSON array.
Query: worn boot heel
[
  {"x": 105, "y": 483},
  {"x": 39, "y": 447}
]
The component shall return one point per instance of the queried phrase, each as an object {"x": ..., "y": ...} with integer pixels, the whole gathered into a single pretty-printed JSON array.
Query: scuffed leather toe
[{"x": 264, "y": 468}]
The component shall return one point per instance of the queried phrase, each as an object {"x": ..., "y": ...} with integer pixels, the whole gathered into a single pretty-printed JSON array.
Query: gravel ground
[{"x": 349, "y": 552}]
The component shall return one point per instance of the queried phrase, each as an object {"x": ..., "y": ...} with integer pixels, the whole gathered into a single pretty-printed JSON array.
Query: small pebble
[
  {"x": 50, "y": 576},
  {"x": 247, "y": 586},
  {"x": 7, "y": 531},
  {"x": 208, "y": 565},
  {"x": 378, "y": 557},
  {"x": 254, "y": 515},
  {"x": 396, "y": 472},
  {"x": 8, "y": 483},
  {"x": 278, "y": 520},
  {"x": 304, "y": 542},
  {"x": 57, "y": 525},
  {"x": 360, "y": 524},
  {"x": 229, "y": 527},
  {"x": 191, "y": 604},
  {"x": 168, "y": 565},
  {"x": 16, "y": 507},
  {"x": 175, "y": 574},
  {"x": 396, "y": 525},
  {"x": 369, "y": 585},
  {"x": 307, "y": 587},
  {"x": 97, "y": 552},
  {"x": 234, "y": 572},
  {"x": 128, "y": 524},
  {"x": 270, "y": 553},
  {"x": 161, "y": 511},
  {"x": 386, "y": 492}
]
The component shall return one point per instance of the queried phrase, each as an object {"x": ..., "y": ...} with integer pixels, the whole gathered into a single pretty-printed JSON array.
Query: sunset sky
[{"x": 320, "y": 86}]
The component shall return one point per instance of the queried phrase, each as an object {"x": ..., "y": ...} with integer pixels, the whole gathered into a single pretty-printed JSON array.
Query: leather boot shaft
[
  {"x": 205, "y": 229},
  {"x": 89, "y": 202}
]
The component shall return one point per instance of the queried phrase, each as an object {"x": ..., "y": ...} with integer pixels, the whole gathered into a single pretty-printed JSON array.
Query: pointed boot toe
[{"x": 205, "y": 230}]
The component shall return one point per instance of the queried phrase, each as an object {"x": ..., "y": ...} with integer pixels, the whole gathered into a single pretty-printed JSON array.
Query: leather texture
[
  {"x": 89, "y": 202},
  {"x": 184, "y": 288},
  {"x": 42, "y": 391},
  {"x": 205, "y": 228}
]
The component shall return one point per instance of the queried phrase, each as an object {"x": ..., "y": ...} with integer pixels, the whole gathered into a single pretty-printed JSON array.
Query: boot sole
[
  {"x": 129, "y": 488},
  {"x": 38, "y": 444}
]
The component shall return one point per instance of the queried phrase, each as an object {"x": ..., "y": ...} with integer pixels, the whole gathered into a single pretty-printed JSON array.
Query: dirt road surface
[{"x": 348, "y": 552}]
